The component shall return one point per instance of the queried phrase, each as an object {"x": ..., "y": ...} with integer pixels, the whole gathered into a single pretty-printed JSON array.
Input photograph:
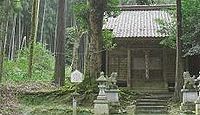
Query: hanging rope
[{"x": 147, "y": 64}]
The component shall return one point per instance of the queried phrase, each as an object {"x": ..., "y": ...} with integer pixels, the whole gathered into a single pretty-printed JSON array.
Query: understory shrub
[{"x": 43, "y": 65}]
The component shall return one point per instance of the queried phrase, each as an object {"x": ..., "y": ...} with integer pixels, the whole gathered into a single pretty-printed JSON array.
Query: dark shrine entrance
[
  {"x": 147, "y": 69},
  {"x": 194, "y": 64}
]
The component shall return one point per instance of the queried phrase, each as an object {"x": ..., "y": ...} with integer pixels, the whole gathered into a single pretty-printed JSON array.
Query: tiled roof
[{"x": 140, "y": 23}]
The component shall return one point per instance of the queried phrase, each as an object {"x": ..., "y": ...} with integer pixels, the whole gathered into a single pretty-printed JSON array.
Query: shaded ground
[
  {"x": 8, "y": 102},
  {"x": 45, "y": 99},
  {"x": 37, "y": 99}
]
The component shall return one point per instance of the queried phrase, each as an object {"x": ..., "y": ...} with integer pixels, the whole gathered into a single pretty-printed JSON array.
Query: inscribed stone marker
[{"x": 76, "y": 77}]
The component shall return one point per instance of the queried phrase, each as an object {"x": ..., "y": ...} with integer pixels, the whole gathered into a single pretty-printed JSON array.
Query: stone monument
[
  {"x": 197, "y": 108},
  {"x": 101, "y": 105},
  {"x": 189, "y": 93},
  {"x": 112, "y": 91}
]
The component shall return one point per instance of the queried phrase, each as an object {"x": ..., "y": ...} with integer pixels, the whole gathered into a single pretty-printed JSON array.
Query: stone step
[
  {"x": 150, "y": 100},
  {"x": 151, "y": 112},
  {"x": 157, "y": 97},
  {"x": 152, "y": 107},
  {"x": 151, "y": 103}
]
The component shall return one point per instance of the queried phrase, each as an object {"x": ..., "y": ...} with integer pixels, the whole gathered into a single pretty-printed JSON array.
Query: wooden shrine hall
[{"x": 139, "y": 59}]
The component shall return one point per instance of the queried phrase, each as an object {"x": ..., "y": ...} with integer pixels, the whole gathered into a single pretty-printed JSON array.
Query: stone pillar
[
  {"x": 75, "y": 95},
  {"x": 101, "y": 105}
]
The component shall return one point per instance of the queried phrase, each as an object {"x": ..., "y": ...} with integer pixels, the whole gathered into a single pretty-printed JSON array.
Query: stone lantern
[{"x": 101, "y": 105}]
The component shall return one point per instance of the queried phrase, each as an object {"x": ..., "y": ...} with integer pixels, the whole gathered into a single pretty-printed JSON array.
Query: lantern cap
[{"x": 101, "y": 78}]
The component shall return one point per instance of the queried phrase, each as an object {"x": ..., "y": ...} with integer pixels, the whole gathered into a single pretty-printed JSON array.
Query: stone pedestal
[
  {"x": 101, "y": 107},
  {"x": 113, "y": 98},
  {"x": 197, "y": 107},
  {"x": 189, "y": 98},
  {"x": 112, "y": 95}
]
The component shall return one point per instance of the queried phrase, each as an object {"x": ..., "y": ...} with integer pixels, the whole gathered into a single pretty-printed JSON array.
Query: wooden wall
[{"x": 161, "y": 63}]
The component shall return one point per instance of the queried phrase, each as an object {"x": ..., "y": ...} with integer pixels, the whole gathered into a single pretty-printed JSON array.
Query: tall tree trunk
[
  {"x": 3, "y": 37},
  {"x": 75, "y": 58},
  {"x": 55, "y": 32},
  {"x": 86, "y": 45},
  {"x": 96, "y": 23},
  {"x": 59, "y": 73},
  {"x": 68, "y": 13},
  {"x": 6, "y": 36},
  {"x": 1, "y": 59},
  {"x": 34, "y": 25},
  {"x": 179, "y": 63},
  {"x": 1, "y": 53},
  {"x": 19, "y": 34},
  {"x": 12, "y": 42},
  {"x": 19, "y": 31},
  {"x": 43, "y": 20}
]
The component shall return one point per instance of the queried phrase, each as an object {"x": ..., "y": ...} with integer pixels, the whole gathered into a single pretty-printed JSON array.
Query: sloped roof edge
[{"x": 146, "y": 7}]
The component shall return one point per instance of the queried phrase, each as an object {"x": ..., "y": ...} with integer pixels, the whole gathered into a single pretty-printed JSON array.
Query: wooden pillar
[
  {"x": 164, "y": 56},
  {"x": 129, "y": 68}
]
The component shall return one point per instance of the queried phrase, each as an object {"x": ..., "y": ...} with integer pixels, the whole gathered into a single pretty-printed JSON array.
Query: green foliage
[
  {"x": 169, "y": 29},
  {"x": 134, "y": 2},
  {"x": 191, "y": 28},
  {"x": 5, "y": 13},
  {"x": 142, "y": 2},
  {"x": 81, "y": 11},
  {"x": 43, "y": 66},
  {"x": 111, "y": 7},
  {"x": 71, "y": 37},
  {"x": 108, "y": 39},
  {"x": 17, "y": 6}
]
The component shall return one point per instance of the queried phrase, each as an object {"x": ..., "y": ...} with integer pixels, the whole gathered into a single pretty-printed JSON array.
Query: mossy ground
[
  {"x": 44, "y": 99},
  {"x": 40, "y": 99}
]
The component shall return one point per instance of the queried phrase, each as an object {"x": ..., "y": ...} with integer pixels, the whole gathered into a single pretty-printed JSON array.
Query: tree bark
[
  {"x": 179, "y": 62},
  {"x": 19, "y": 32},
  {"x": 43, "y": 20},
  {"x": 12, "y": 40},
  {"x": 1, "y": 59},
  {"x": 34, "y": 25},
  {"x": 1, "y": 54},
  {"x": 96, "y": 23},
  {"x": 55, "y": 34},
  {"x": 59, "y": 73}
]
